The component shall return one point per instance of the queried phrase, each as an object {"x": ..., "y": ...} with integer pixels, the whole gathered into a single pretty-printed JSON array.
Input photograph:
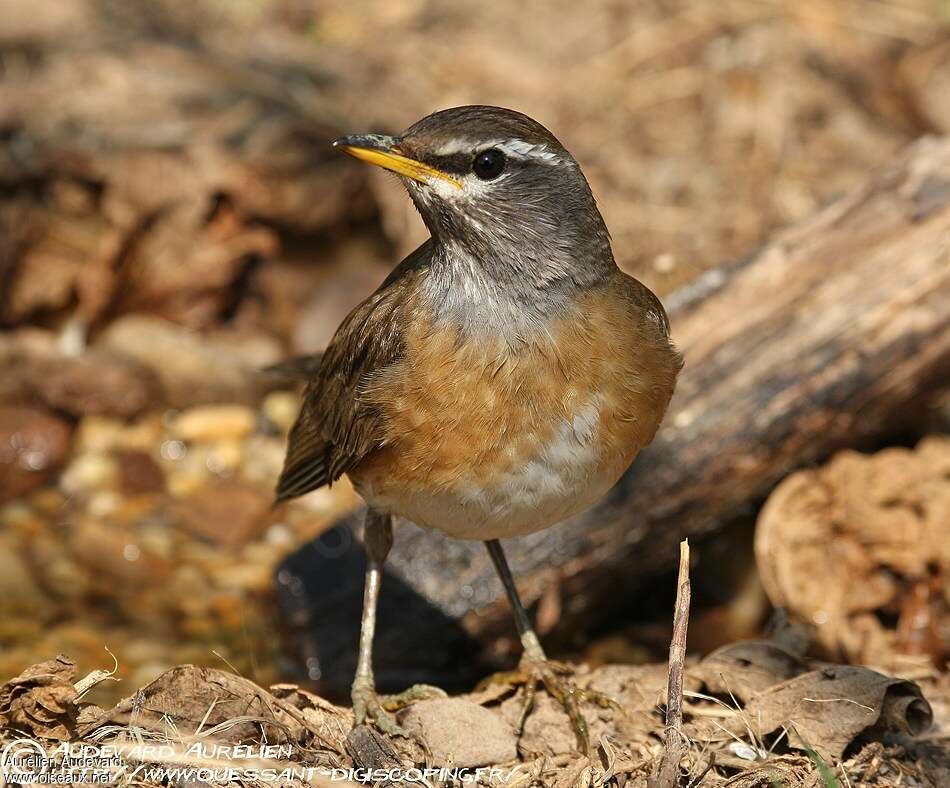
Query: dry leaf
[
  {"x": 829, "y": 708},
  {"x": 837, "y": 544},
  {"x": 743, "y": 669},
  {"x": 42, "y": 700},
  {"x": 198, "y": 698}
]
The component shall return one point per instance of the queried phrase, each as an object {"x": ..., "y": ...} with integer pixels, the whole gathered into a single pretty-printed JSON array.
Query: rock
[
  {"x": 33, "y": 445},
  {"x": 264, "y": 458},
  {"x": 139, "y": 473},
  {"x": 462, "y": 733},
  {"x": 224, "y": 457},
  {"x": 194, "y": 369},
  {"x": 281, "y": 409},
  {"x": 97, "y": 382},
  {"x": 228, "y": 512},
  {"x": 214, "y": 423},
  {"x": 89, "y": 472},
  {"x": 845, "y": 545},
  {"x": 61, "y": 576},
  {"x": 113, "y": 558},
  {"x": 103, "y": 434},
  {"x": 20, "y": 596}
]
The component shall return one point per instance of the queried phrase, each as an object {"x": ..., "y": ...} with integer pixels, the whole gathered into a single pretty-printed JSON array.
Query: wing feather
[{"x": 336, "y": 428}]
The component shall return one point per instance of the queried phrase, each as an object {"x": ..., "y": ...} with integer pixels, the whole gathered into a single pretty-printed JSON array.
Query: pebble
[
  {"x": 20, "y": 516},
  {"x": 138, "y": 472},
  {"x": 264, "y": 458},
  {"x": 103, "y": 503},
  {"x": 461, "y": 733},
  {"x": 20, "y": 597},
  {"x": 98, "y": 382},
  {"x": 33, "y": 446},
  {"x": 102, "y": 434},
  {"x": 228, "y": 512},
  {"x": 281, "y": 409},
  {"x": 224, "y": 457},
  {"x": 193, "y": 369},
  {"x": 88, "y": 472},
  {"x": 211, "y": 423},
  {"x": 169, "y": 516},
  {"x": 48, "y": 501},
  {"x": 61, "y": 575},
  {"x": 102, "y": 549}
]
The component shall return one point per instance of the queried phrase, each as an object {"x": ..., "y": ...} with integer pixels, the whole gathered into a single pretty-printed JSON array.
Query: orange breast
[{"x": 488, "y": 438}]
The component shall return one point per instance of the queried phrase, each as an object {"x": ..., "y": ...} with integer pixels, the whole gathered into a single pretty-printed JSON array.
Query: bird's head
[{"x": 497, "y": 187}]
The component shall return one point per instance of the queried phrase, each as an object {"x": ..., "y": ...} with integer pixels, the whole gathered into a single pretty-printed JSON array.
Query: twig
[{"x": 667, "y": 771}]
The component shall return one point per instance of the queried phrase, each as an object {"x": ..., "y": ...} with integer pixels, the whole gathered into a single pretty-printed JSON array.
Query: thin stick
[{"x": 668, "y": 768}]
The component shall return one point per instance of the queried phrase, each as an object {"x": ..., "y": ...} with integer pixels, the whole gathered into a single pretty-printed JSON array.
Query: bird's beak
[{"x": 383, "y": 151}]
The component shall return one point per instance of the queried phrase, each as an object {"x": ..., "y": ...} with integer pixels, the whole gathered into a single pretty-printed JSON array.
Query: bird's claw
[
  {"x": 534, "y": 673},
  {"x": 368, "y": 706},
  {"x": 412, "y": 695}
]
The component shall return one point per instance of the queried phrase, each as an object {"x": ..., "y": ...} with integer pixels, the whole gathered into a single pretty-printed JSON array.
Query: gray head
[{"x": 500, "y": 196}]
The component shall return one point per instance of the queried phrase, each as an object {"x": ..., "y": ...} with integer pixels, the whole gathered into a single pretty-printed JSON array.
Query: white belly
[{"x": 545, "y": 483}]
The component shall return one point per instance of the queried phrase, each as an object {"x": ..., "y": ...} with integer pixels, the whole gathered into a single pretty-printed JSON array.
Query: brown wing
[{"x": 335, "y": 428}]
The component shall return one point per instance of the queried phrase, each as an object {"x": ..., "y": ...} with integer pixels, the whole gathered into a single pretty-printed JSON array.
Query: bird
[{"x": 500, "y": 380}]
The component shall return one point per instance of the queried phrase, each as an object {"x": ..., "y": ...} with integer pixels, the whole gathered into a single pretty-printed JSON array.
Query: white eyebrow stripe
[
  {"x": 527, "y": 150},
  {"x": 515, "y": 148}
]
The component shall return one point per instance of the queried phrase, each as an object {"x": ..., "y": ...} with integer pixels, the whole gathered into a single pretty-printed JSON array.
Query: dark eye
[{"x": 489, "y": 164}]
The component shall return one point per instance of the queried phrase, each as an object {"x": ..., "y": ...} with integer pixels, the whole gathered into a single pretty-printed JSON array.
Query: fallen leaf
[
  {"x": 42, "y": 700},
  {"x": 743, "y": 669},
  {"x": 828, "y": 708},
  {"x": 837, "y": 545},
  {"x": 228, "y": 708}
]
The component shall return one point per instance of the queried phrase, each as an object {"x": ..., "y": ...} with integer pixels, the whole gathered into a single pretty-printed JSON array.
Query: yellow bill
[{"x": 382, "y": 151}]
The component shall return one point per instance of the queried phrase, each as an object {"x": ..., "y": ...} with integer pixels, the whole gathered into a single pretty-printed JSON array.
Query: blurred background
[{"x": 173, "y": 219}]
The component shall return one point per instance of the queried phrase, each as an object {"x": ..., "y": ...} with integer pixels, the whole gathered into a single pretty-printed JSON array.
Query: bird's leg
[
  {"x": 367, "y": 704},
  {"x": 377, "y": 539},
  {"x": 536, "y": 669}
]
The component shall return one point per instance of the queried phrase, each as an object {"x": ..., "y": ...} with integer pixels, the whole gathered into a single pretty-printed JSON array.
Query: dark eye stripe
[{"x": 454, "y": 163}]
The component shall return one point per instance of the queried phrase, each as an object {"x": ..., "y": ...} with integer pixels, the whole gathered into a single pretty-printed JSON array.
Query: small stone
[
  {"x": 48, "y": 501},
  {"x": 61, "y": 575},
  {"x": 156, "y": 539},
  {"x": 264, "y": 459},
  {"x": 33, "y": 445},
  {"x": 102, "y": 434},
  {"x": 244, "y": 577},
  {"x": 212, "y": 423},
  {"x": 96, "y": 383},
  {"x": 190, "y": 471},
  {"x": 139, "y": 473},
  {"x": 664, "y": 263},
  {"x": 100, "y": 548},
  {"x": 20, "y": 596},
  {"x": 281, "y": 409},
  {"x": 20, "y": 516},
  {"x": 224, "y": 457},
  {"x": 462, "y": 733},
  {"x": 228, "y": 512},
  {"x": 89, "y": 472},
  {"x": 194, "y": 369},
  {"x": 98, "y": 434},
  {"x": 103, "y": 503}
]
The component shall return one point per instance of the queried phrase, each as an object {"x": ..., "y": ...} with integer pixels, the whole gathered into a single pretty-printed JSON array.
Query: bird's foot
[
  {"x": 532, "y": 674},
  {"x": 368, "y": 706}
]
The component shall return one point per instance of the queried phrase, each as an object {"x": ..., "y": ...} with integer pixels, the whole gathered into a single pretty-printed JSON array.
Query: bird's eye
[{"x": 489, "y": 164}]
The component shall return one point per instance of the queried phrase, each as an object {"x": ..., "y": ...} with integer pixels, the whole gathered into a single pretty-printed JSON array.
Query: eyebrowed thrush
[{"x": 504, "y": 375}]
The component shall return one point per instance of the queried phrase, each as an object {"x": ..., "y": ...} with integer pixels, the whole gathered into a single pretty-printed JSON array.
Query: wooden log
[{"x": 833, "y": 335}]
